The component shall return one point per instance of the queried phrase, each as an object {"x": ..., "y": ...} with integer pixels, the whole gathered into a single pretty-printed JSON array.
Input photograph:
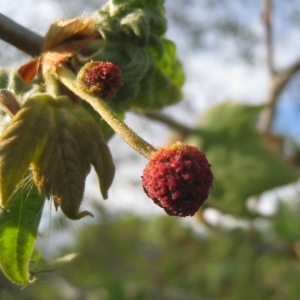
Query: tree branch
[
  {"x": 167, "y": 121},
  {"x": 267, "y": 19},
  {"x": 173, "y": 124},
  {"x": 20, "y": 37},
  {"x": 278, "y": 79}
]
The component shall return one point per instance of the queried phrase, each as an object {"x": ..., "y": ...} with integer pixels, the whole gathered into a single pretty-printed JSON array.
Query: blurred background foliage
[
  {"x": 232, "y": 249},
  {"x": 129, "y": 257}
]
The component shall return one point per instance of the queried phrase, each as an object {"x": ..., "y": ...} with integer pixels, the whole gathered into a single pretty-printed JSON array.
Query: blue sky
[{"x": 287, "y": 119}]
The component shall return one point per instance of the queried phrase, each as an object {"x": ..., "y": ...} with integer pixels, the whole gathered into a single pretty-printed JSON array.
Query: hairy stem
[
  {"x": 68, "y": 78},
  {"x": 20, "y": 37}
]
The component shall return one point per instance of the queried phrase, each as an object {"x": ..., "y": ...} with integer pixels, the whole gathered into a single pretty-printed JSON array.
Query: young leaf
[
  {"x": 69, "y": 34},
  {"x": 11, "y": 80},
  {"x": 19, "y": 144},
  {"x": 96, "y": 150},
  {"x": 18, "y": 231},
  {"x": 133, "y": 38},
  {"x": 63, "y": 39},
  {"x": 73, "y": 142}
]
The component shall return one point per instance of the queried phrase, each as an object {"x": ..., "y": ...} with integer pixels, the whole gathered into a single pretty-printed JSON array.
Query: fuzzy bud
[
  {"x": 178, "y": 179},
  {"x": 100, "y": 79}
]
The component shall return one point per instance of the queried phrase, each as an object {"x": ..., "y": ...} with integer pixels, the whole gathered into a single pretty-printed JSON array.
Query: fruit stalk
[{"x": 68, "y": 78}]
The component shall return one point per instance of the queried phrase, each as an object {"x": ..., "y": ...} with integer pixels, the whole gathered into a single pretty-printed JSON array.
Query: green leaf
[
  {"x": 96, "y": 150},
  {"x": 133, "y": 38},
  {"x": 286, "y": 222},
  {"x": 241, "y": 164},
  {"x": 60, "y": 140},
  {"x": 20, "y": 143},
  {"x": 73, "y": 142},
  {"x": 18, "y": 231},
  {"x": 11, "y": 80},
  {"x": 228, "y": 116},
  {"x": 61, "y": 168}
]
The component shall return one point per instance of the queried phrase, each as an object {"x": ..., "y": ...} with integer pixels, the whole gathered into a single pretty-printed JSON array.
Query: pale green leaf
[
  {"x": 96, "y": 150},
  {"x": 11, "y": 80},
  {"x": 20, "y": 142},
  {"x": 73, "y": 142}
]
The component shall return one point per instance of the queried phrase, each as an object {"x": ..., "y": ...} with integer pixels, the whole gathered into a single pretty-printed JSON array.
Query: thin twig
[
  {"x": 279, "y": 82},
  {"x": 184, "y": 129},
  {"x": 278, "y": 79},
  {"x": 267, "y": 19},
  {"x": 167, "y": 121},
  {"x": 268, "y": 113},
  {"x": 20, "y": 37}
]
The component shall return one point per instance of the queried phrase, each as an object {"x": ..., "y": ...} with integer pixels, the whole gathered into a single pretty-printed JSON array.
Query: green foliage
[
  {"x": 133, "y": 38},
  {"x": 11, "y": 80},
  {"x": 241, "y": 164},
  {"x": 127, "y": 257},
  {"x": 18, "y": 231},
  {"x": 159, "y": 258},
  {"x": 59, "y": 137},
  {"x": 24, "y": 132},
  {"x": 61, "y": 141}
]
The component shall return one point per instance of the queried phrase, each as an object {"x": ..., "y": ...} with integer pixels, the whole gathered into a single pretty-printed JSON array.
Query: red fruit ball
[
  {"x": 178, "y": 179},
  {"x": 101, "y": 79}
]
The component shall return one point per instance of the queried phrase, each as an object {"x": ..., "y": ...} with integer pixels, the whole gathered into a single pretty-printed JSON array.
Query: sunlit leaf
[
  {"x": 10, "y": 79},
  {"x": 18, "y": 231},
  {"x": 75, "y": 32},
  {"x": 96, "y": 150},
  {"x": 60, "y": 140},
  {"x": 29, "y": 70},
  {"x": 73, "y": 143},
  {"x": 19, "y": 144}
]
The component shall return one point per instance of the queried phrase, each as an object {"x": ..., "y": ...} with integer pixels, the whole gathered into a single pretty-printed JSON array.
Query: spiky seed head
[
  {"x": 178, "y": 179},
  {"x": 100, "y": 79}
]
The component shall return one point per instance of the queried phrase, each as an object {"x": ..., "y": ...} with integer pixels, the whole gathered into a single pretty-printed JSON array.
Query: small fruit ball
[
  {"x": 178, "y": 179},
  {"x": 100, "y": 79}
]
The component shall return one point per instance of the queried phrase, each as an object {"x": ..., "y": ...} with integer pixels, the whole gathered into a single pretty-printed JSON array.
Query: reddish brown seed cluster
[
  {"x": 101, "y": 79},
  {"x": 178, "y": 179}
]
